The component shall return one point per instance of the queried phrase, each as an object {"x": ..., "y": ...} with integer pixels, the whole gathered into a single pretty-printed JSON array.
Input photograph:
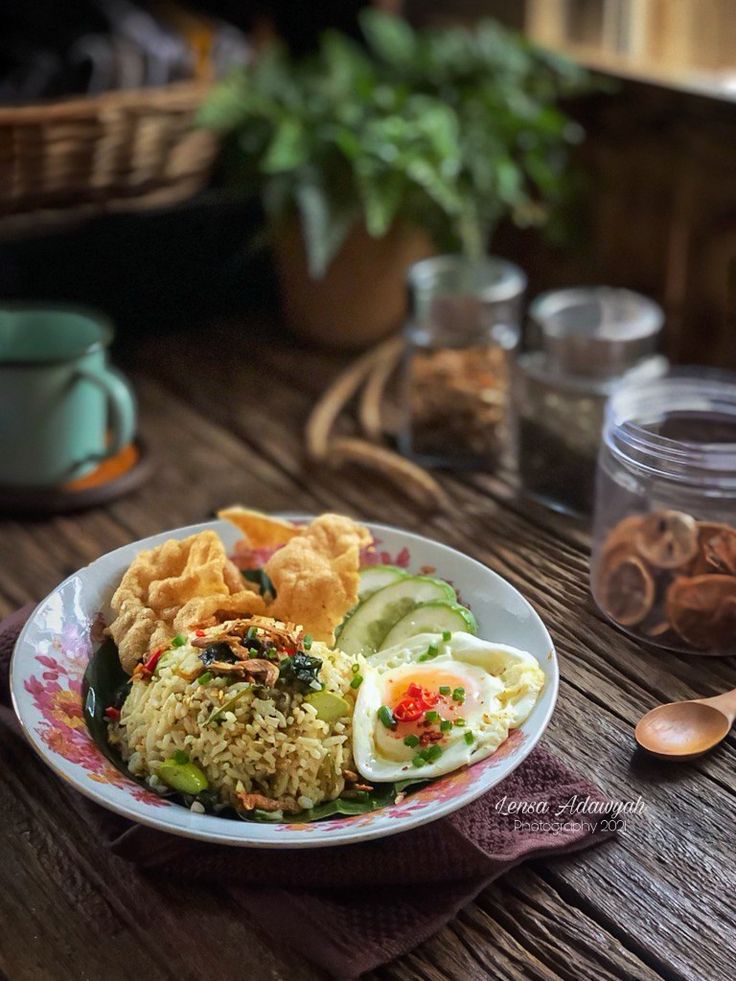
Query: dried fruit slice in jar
[
  {"x": 626, "y": 588},
  {"x": 702, "y": 609},
  {"x": 716, "y": 550},
  {"x": 667, "y": 539},
  {"x": 657, "y": 629},
  {"x": 623, "y": 533}
]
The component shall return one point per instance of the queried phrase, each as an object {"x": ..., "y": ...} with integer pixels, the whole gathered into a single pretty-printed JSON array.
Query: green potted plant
[{"x": 368, "y": 157}]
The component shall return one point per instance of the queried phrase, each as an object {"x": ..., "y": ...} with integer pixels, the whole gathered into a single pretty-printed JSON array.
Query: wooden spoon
[{"x": 684, "y": 730}]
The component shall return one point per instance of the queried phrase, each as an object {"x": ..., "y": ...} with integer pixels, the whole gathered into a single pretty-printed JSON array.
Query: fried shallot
[
  {"x": 252, "y": 802},
  {"x": 255, "y": 668}
]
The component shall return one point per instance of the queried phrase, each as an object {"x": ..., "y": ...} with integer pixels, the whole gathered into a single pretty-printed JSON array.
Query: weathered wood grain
[
  {"x": 653, "y": 881},
  {"x": 569, "y": 941},
  {"x": 657, "y": 902}
]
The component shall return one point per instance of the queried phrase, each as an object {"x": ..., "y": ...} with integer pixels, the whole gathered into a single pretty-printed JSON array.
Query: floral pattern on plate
[{"x": 57, "y": 694}]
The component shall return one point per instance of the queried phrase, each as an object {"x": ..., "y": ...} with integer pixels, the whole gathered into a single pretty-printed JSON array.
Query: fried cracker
[
  {"x": 171, "y": 587},
  {"x": 316, "y": 574},
  {"x": 259, "y": 530}
]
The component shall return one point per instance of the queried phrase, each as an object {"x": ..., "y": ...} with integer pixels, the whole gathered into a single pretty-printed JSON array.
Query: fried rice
[{"x": 246, "y": 738}]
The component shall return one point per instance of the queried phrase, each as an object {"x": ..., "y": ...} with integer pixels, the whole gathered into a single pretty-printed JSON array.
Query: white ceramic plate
[{"x": 54, "y": 647}]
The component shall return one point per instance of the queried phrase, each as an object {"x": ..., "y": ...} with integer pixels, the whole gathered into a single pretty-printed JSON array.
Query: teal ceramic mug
[{"x": 63, "y": 409}]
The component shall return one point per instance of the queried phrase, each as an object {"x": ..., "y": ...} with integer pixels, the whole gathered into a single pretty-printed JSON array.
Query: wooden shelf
[
  {"x": 716, "y": 85},
  {"x": 685, "y": 45}
]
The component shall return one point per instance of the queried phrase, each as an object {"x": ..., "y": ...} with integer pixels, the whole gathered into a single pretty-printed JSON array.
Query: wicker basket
[{"x": 64, "y": 161}]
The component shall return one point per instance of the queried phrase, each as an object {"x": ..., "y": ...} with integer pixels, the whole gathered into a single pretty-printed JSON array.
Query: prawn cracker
[
  {"x": 316, "y": 574},
  {"x": 169, "y": 588},
  {"x": 260, "y": 530}
]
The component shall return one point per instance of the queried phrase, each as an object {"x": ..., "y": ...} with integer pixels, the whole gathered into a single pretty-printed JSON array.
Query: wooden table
[{"x": 223, "y": 413}]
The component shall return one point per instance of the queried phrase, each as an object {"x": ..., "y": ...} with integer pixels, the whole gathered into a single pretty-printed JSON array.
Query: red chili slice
[
  {"x": 153, "y": 660},
  {"x": 422, "y": 695},
  {"x": 112, "y": 713},
  {"x": 408, "y": 710}
]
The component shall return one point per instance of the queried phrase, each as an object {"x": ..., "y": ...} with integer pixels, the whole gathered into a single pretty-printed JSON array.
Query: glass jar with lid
[
  {"x": 582, "y": 343},
  {"x": 463, "y": 330},
  {"x": 664, "y": 552}
]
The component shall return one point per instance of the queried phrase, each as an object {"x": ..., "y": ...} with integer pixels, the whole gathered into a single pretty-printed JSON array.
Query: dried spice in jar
[
  {"x": 582, "y": 343},
  {"x": 457, "y": 402},
  {"x": 463, "y": 332}
]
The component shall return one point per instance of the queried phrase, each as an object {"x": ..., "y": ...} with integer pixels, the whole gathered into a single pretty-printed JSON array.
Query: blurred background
[{"x": 110, "y": 196}]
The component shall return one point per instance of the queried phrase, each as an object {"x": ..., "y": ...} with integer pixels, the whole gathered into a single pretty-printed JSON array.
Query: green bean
[{"x": 187, "y": 778}]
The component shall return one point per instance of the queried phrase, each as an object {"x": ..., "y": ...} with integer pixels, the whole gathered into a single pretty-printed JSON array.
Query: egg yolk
[{"x": 421, "y": 709}]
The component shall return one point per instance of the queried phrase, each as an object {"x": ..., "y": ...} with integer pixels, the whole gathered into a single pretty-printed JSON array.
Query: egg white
[{"x": 507, "y": 681}]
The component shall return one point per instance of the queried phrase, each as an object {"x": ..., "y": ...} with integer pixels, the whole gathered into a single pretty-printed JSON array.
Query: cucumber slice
[
  {"x": 364, "y": 630},
  {"x": 431, "y": 618},
  {"x": 375, "y": 577}
]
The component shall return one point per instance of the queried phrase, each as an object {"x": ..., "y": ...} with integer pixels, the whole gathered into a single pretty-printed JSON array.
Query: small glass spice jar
[
  {"x": 583, "y": 342},
  {"x": 664, "y": 537},
  {"x": 463, "y": 331}
]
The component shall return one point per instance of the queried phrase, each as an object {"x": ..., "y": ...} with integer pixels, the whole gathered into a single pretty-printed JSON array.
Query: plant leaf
[
  {"x": 449, "y": 128},
  {"x": 288, "y": 148},
  {"x": 381, "y": 201},
  {"x": 325, "y": 226},
  {"x": 388, "y": 36},
  {"x": 381, "y": 796},
  {"x": 224, "y": 109}
]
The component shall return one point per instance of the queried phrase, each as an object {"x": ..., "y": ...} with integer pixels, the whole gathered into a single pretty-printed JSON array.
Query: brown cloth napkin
[{"x": 351, "y": 908}]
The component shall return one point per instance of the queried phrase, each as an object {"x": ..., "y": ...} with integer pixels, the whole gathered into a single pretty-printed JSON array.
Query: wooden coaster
[{"x": 114, "y": 477}]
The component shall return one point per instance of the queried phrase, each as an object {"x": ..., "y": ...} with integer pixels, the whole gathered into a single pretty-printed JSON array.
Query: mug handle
[{"x": 121, "y": 406}]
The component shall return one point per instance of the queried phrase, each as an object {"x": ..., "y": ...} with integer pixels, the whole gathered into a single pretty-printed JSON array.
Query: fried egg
[{"x": 429, "y": 706}]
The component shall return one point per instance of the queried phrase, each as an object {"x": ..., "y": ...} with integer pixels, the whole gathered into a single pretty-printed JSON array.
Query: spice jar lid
[
  {"x": 456, "y": 300},
  {"x": 489, "y": 278},
  {"x": 596, "y": 330}
]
